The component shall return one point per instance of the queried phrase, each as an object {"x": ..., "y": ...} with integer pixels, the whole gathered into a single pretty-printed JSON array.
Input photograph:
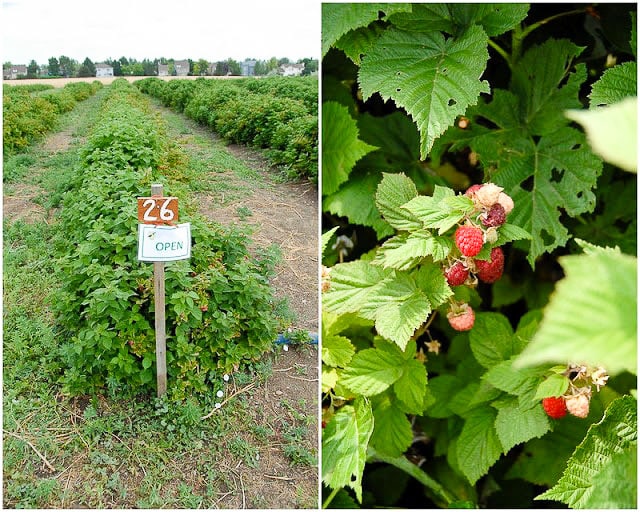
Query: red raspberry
[
  {"x": 456, "y": 274},
  {"x": 469, "y": 240},
  {"x": 463, "y": 320},
  {"x": 490, "y": 271},
  {"x": 554, "y": 406},
  {"x": 494, "y": 217}
]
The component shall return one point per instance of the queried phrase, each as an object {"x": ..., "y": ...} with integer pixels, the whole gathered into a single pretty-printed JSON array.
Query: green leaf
[
  {"x": 431, "y": 281},
  {"x": 519, "y": 382},
  {"x": 339, "y": 130},
  {"x": 372, "y": 371},
  {"x": 408, "y": 249},
  {"x": 612, "y": 132},
  {"x": 617, "y": 489},
  {"x": 392, "y": 433},
  {"x": 344, "y": 446},
  {"x": 351, "y": 286},
  {"x": 510, "y": 232},
  {"x": 326, "y": 238},
  {"x": 615, "y": 84},
  {"x": 536, "y": 81},
  {"x": 394, "y": 191},
  {"x": 411, "y": 387},
  {"x": 338, "y": 19},
  {"x": 355, "y": 200},
  {"x": 515, "y": 425},
  {"x": 478, "y": 446},
  {"x": 554, "y": 385},
  {"x": 398, "y": 306},
  {"x": 591, "y": 317},
  {"x": 336, "y": 350},
  {"x": 616, "y": 433},
  {"x": 423, "y": 73},
  {"x": 443, "y": 388},
  {"x": 491, "y": 339},
  {"x": 356, "y": 43},
  {"x": 543, "y": 460}
]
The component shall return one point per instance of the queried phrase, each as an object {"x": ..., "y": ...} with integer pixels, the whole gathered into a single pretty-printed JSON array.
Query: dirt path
[{"x": 285, "y": 214}]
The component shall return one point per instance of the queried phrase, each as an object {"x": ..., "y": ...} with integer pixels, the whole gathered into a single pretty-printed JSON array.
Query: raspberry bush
[{"x": 458, "y": 194}]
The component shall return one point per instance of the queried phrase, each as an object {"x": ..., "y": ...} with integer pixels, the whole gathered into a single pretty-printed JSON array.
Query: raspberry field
[
  {"x": 479, "y": 256},
  {"x": 82, "y": 425}
]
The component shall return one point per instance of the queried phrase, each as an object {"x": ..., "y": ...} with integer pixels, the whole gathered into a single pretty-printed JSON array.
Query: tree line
[{"x": 66, "y": 67}]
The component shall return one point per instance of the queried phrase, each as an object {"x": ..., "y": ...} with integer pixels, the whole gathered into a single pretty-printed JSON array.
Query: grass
[{"x": 98, "y": 451}]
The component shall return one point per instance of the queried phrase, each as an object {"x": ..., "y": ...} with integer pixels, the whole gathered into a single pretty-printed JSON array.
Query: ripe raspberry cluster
[
  {"x": 491, "y": 207},
  {"x": 578, "y": 395}
]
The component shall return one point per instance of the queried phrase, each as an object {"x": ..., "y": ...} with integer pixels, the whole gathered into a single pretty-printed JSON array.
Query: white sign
[{"x": 164, "y": 243}]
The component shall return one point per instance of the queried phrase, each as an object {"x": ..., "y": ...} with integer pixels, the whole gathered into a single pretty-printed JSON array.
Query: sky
[{"x": 181, "y": 29}]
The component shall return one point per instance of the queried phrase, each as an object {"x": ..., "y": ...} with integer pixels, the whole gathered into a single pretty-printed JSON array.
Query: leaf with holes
[{"x": 435, "y": 79}]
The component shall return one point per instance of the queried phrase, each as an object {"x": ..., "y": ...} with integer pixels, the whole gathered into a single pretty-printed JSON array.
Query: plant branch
[
  {"x": 42, "y": 457},
  {"x": 405, "y": 465},
  {"x": 329, "y": 499},
  {"x": 538, "y": 24},
  {"x": 500, "y": 51}
]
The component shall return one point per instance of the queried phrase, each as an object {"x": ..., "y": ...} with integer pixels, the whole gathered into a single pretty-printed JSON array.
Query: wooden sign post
[
  {"x": 160, "y": 240},
  {"x": 158, "y": 298}
]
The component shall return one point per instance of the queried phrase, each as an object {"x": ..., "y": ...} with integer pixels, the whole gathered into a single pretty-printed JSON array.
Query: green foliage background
[{"x": 464, "y": 427}]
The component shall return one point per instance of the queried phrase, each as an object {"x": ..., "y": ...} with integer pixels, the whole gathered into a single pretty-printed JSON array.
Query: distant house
[
  {"x": 14, "y": 72},
  {"x": 163, "y": 69},
  {"x": 291, "y": 69},
  {"x": 248, "y": 68},
  {"x": 182, "y": 67},
  {"x": 103, "y": 69}
]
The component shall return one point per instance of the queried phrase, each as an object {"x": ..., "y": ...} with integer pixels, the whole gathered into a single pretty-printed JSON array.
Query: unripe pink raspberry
[
  {"x": 506, "y": 202},
  {"x": 461, "y": 318},
  {"x": 456, "y": 274},
  {"x": 469, "y": 240},
  {"x": 578, "y": 405},
  {"x": 471, "y": 191}
]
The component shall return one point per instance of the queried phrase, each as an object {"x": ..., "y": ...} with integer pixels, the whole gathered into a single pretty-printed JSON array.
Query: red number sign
[{"x": 157, "y": 210}]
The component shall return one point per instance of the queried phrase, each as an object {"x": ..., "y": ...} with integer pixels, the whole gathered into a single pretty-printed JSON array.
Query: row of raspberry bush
[
  {"x": 287, "y": 127},
  {"x": 220, "y": 310},
  {"x": 28, "y": 113}
]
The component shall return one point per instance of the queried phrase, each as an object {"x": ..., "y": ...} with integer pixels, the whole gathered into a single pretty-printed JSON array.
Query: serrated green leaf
[
  {"x": 491, "y": 339},
  {"x": 554, "y": 385},
  {"x": 591, "y": 317},
  {"x": 615, "y": 433},
  {"x": 336, "y": 350},
  {"x": 494, "y": 18},
  {"x": 351, "y": 286},
  {"x": 356, "y": 201},
  {"x": 411, "y": 387},
  {"x": 329, "y": 378},
  {"x": 431, "y": 281},
  {"x": 443, "y": 388},
  {"x": 536, "y": 80},
  {"x": 392, "y": 433},
  {"x": 615, "y": 84},
  {"x": 326, "y": 238},
  {"x": 543, "y": 460},
  {"x": 407, "y": 249},
  {"x": 441, "y": 211},
  {"x": 478, "y": 446},
  {"x": 338, "y": 19},
  {"x": 339, "y": 130},
  {"x": 372, "y": 371},
  {"x": 617, "y": 488},
  {"x": 510, "y": 232},
  {"x": 612, "y": 132},
  {"x": 394, "y": 191},
  {"x": 423, "y": 73},
  {"x": 398, "y": 306},
  {"x": 356, "y": 43},
  {"x": 519, "y": 382},
  {"x": 515, "y": 425},
  {"x": 344, "y": 446}
]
